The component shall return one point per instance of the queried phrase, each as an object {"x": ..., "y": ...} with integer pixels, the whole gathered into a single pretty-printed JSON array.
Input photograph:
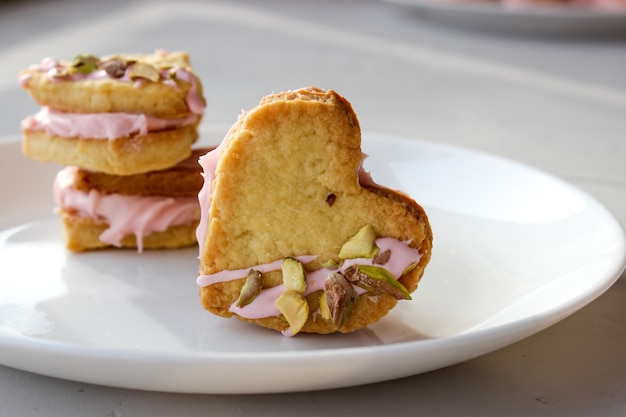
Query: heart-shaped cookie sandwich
[{"x": 294, "y": 235}]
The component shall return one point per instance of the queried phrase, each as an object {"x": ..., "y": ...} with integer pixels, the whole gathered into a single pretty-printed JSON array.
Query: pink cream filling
[
  {"x": 100, "y": 125},
  {"x": 125, "y": 214},
  {"x": 208, "y": 162},
  {"x": 402, "y": 255}
]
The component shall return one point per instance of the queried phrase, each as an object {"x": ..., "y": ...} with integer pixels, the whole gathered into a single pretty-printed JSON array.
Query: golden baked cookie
[
  {"x": 181, "y": 180},
  {"x": 121, "y": 156},
  {"x": 161, "y": 84},
  {"x": 288, "y": 186}
]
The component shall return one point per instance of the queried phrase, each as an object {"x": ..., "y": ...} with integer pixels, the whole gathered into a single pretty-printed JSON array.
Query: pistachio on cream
[
  {"x": 339, "y": 297},
  {"x": 251, "y": 288},
  {"x": 144, "y": 71},
  {"x": 114, "y": 67},
  {"x": 339, "y": 284},
  {"x": 376, "y": 279},
  {"x": 84, "y": 64},
  {"x": 361, "y": 245},
  {"x": 291, "y": 303}
]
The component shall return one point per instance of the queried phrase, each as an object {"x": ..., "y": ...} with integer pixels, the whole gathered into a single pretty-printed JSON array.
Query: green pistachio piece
[
  {"x": 361, "y": 245},
  {"x": 294, "y": 308},
  {"x": 331, "y": 264},
  {"x": 293, "y": 275},
  {"x": 376, "y": 279},
  {"x": 324, "y": 308},
  {"x": 251, "y": 288},
  {"x": 143, "y": 70},
  {"x": 409, "y": 268},
  {"x": 85, "y": 64},
  {"x": 340, "y": 298}
]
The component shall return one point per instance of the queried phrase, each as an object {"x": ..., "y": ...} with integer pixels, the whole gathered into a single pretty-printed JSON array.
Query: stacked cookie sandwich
[{"x": 124, "y": 126}]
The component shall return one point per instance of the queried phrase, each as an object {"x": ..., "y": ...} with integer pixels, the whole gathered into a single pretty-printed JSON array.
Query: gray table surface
[{"x": 554, "y": 101}]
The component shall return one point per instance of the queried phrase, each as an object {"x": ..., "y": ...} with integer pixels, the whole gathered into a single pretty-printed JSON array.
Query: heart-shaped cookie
[{"x": 286, "y": 184}]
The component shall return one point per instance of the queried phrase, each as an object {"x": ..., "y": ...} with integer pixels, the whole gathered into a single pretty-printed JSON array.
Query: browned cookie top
[
  {"x": 181, "y": 180},
  {"x": 161, "y": 84}
]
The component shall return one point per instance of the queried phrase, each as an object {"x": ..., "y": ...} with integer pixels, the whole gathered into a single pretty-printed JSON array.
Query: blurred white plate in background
[{"x": 532, "y": 20}]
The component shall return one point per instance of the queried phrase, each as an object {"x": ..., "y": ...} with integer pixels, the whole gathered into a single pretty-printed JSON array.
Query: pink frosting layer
[
  {"x": 100, "y": 125},
  {"x": 125, "y": 214},
  {"x": 208, "y": 162},
  {"x": 402, "y": 256}
]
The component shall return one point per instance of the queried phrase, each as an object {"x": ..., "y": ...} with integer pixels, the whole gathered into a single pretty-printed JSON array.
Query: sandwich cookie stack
[{"x": 124, "y": 126}]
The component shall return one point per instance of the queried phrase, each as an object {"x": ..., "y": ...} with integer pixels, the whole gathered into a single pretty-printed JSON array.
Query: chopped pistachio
[
  {"x": 85, "y": 63},
  {"x": 324, "y": 308},
  {"x": 340, "y": 298},
  {"x": 293, "y": 274},
  {"x": 294, "y": 308},
  {"x": 376, "y": 279},
  {"x": 143, "y": 70},
  {"x": 331, "y": 264},
  {"x": 115, "y": 68},
  {"x": 251, "y": 288},
  {"x": 409, "y": 268},
  {"x": 361, "y": 245},
  {"x": 382, "y": 258}
]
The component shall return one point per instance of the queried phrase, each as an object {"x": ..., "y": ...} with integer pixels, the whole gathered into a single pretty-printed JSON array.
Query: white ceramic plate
[
  {"x": 515, "y": 251},
  {"x": 546, "y": 19}
]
